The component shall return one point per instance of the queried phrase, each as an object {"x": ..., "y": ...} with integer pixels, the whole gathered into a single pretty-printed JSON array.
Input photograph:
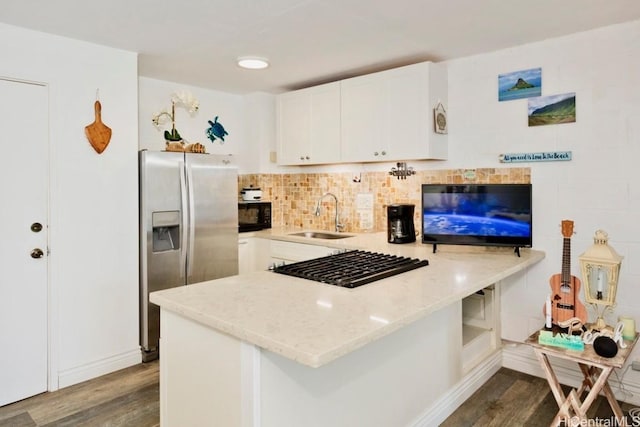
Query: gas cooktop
[{"x": 351, "y": 269}]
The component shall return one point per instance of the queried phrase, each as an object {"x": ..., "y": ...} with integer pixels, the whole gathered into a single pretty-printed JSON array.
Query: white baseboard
[
  {"x": 520, "y": 357},
  {"x": 448, "y": 403},
  {"x": 101, "y": 367}
]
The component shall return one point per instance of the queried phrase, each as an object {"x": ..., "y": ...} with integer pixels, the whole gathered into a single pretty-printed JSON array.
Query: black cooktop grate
[{"x": 351, "y": 269}]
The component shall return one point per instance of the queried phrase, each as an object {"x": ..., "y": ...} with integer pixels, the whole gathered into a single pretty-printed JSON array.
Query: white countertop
[{"x": 314, "y": 323}]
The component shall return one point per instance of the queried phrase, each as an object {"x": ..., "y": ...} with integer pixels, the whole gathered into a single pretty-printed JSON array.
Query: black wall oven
[{"x": 253, "y": 216}]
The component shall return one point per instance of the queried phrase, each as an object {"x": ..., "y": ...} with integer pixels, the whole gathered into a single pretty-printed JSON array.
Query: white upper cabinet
[
  {"x": 363, "y": 113},
  {"x": 309, "y": 126},
  {"x": 388, "y": 116},
  {"x": 385, "y": 116}
]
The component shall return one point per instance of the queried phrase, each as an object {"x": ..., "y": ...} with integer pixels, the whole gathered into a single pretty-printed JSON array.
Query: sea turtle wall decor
[{"x": 216, "y": 130}]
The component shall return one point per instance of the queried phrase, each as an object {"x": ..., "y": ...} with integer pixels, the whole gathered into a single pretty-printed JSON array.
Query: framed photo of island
[
  {"x": 520, "y": 84},
  {"x": 552, "y": 109}
]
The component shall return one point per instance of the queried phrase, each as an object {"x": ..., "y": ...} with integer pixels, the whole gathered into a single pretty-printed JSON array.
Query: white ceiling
[{"x": 308, "y": 42}]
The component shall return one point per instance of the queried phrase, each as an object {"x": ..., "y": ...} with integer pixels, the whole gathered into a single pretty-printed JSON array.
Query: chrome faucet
[{"x": 339, "y": 226}]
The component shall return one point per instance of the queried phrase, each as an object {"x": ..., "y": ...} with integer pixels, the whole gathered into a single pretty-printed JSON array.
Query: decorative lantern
[{"x": 600, "y": 266}]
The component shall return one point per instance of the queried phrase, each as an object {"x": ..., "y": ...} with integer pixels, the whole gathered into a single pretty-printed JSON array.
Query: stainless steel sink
[{"x": 320, "y": 235}]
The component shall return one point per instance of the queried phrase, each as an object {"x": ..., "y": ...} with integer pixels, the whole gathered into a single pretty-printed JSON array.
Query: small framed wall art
[
  {"x": 552, "y": 109},
  {"x": 440, "y": 118},
  {"x": 520, "y": 84}
]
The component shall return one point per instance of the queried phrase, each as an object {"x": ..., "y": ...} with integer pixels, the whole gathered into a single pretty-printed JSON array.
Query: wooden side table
[{"x": 595, "y": 370}]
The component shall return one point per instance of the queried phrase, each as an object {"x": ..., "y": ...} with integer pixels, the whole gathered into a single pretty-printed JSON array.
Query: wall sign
[
  {"x": 547, "y": 156},
  {"x": 440, "y": 118}
]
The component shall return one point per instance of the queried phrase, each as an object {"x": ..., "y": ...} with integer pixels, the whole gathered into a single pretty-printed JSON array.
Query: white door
[{"x": 23, "y": 249}]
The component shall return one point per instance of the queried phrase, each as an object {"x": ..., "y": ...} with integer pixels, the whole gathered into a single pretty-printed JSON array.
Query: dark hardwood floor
[
  {"x": 511, "y": 398},
  {"x": 130, "y": 398}
]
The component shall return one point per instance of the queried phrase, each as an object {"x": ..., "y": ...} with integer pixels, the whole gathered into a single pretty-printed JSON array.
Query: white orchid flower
[{"x": 184, "y": 98}]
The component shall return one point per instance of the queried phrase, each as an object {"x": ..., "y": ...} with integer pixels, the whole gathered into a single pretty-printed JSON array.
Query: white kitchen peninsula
[{"x": 264, "y": 349}]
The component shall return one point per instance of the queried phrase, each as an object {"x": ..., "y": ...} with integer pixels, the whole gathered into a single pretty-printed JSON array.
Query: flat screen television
[{"x": 477, "y": 214}]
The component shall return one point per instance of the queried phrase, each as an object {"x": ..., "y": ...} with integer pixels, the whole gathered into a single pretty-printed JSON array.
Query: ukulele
[{"x": 565, "y": 288}]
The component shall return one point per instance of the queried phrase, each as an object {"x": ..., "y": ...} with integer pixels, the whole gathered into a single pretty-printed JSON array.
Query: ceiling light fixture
[{"x": 253, "y": 62}]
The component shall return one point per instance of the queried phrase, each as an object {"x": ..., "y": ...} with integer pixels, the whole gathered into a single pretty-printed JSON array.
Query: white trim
[
  {"x": 250, "y": 377},
  {"x": 53, "y": 349},
  {"x": 98, "y": 368},
  {"x": 29, "y": 82},
  {"x": 457, "y": 395},
  {"x": 52, "y": 335}
]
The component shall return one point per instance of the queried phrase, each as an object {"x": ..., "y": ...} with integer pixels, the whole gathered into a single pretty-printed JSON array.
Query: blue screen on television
[{"x": 478, "y": 214}]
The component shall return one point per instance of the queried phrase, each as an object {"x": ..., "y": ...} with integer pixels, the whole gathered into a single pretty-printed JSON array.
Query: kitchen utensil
[
  {"x": 251, "y": 193},
  {"x": 97, "y": 132}
]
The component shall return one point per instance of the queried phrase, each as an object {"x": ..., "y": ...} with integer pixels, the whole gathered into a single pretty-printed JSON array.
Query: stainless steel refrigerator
[{"x": 188, "y": 228}]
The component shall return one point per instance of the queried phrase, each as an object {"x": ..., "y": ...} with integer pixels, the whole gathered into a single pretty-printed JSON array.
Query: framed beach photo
[
  {"x": 552, "y": 109},
  {"x": 520, "y": 84}
]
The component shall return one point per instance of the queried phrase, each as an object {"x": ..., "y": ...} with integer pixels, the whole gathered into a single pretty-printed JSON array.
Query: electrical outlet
[
  {"x": 635, "y": 365},
  {"x": 364, "y": 201}
]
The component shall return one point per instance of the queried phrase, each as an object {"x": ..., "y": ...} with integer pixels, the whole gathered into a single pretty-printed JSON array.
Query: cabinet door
[
  {"x": 294, "y": 120},
  {"x": 309, "y": 126},
  {"x": 388, "y": 116},
  {"x": 363, "y": 118},
  {"x": 325, "y": 124},
  {"x": 253, "y": 254},
  {"x": 412, "y": 92},
  {"x": 293, "y": 252},
  {"x": 407, "y": 112},
  {"x": 244, "y": 256}
]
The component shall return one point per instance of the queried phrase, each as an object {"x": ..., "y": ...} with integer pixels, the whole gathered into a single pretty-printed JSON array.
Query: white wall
[
  {"x": 598, "y": 189},
  {"x": 155, "y": 95},
  {"x": 93, "y": 264},
  {"x": 93, "y": 221},
  {"x": 249, "y": 119}
]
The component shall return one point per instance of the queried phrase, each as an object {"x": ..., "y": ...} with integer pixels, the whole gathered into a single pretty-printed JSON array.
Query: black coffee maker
[{"x": 400, "y": 224}]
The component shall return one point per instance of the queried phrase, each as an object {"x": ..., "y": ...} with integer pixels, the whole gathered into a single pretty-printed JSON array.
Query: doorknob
[
  {"x": 36, "y": 227},
  {"x": 37, "y": 253}
]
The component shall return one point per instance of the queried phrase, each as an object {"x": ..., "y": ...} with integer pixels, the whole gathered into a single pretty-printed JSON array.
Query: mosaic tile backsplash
[{"x": 294, "y": 196}]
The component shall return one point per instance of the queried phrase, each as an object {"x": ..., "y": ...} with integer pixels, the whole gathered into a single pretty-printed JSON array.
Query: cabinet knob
[
  {"x": 384, "y": 153},
  {"x": 375, "y": 153},
  {"x": 37, "y": 253},
  {"x": 301, "y": 157},
  {"x": 307, "y": 157}
]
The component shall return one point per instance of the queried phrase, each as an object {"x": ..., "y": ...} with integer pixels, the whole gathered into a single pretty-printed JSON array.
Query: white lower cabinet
[
  {"x": 209, "y": 378},
  {"x": 257, "y": 254},
  {"x": 480, "y": 311},
  {"x": 253, "y": 254},
  {"x": 480, "y": 335},
  {"x": 288, "y": 252}
]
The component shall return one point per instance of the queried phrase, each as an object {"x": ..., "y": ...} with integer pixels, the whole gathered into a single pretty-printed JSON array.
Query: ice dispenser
[{"x": 166, "y": 231}]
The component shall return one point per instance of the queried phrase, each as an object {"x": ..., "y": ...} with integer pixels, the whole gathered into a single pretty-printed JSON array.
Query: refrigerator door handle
[
  {"x": 185, "y": 224},
  {"x": 192, "y": 220}
]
